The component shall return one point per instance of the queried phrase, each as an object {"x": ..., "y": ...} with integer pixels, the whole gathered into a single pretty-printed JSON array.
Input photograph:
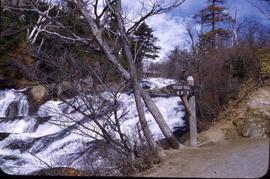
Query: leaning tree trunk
[
  {"x": 136, "y": 87},
  {"x": 138, "y": 100},
  {"x": 112, "y": 58},
  {"x": 160, "y": 120},
  {"x": 147, "y": 99}
]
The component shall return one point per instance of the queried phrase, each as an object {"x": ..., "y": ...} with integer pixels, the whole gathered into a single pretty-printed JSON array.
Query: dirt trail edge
[{"x": 239, "y": 158}]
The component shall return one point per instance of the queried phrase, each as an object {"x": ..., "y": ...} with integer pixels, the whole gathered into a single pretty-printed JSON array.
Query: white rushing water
[
  {"x": 13, "y": 96},
  {"x": 53, "y": 136}
]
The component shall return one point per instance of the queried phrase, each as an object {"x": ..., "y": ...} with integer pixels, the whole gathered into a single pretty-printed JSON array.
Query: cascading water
[
  {"x": 14, "y": 112},
  {"x": 53, "y": 137},
  {"x": 10, "y": 97}
]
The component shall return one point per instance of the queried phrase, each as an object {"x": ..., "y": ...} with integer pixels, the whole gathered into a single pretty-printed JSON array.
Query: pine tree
[
  {"x": 143, "y": 46},
  {"x": 144, "y": 43},
  {"x": 214, "y": 17}
]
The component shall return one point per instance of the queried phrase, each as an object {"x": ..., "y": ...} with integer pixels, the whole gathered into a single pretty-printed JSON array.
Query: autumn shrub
[
  {"x": 8, "y": 43},
  {"x": 264, "y": 59}
]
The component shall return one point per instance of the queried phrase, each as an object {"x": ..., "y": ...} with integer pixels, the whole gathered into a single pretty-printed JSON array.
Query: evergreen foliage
[
  {"x": 144, "y": 43},
  {"x": 9, "y": 23},
  {"x": 213, "y": 18},
  {"x": 143, "y": 46}
]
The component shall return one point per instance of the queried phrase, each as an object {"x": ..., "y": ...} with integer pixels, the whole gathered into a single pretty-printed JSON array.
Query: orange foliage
[{"x": 23, "y": 55}]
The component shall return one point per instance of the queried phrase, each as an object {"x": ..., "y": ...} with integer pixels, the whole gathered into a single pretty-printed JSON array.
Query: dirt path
[{"x": 228, "y": 159}]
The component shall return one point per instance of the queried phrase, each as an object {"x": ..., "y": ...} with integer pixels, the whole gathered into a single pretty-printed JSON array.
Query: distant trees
[
  {"x": 213, "y": 19},
  {"x": 220, "y": 72},
  {"x": 219, "y": 66}
]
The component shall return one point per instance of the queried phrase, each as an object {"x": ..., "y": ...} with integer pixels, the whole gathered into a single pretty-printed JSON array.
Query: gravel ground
[{"x": 239, "y": 158}]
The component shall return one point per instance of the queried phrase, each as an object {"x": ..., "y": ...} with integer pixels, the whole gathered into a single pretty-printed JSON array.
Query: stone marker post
[{"x": 192, "y": 118}]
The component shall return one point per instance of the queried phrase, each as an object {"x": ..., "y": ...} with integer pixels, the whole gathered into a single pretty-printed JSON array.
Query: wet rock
[
  {"x": 42, "y": 120},
  {"x": 3, "y": 135},
  {"x": 24, "y": 83},
  {"x": 12, "y": 110},
  {"x": 166, "y": 91},
  {"x": 67, "y": 90},
  {"x": 5, "y": 84},
  {"x": 21, "y": 145},
  {"x": 146, "y": 85},
  {"x": 10, "y": 157},
  {"x": 39, "y": 93},
  {"x": 35, "y": 123}
]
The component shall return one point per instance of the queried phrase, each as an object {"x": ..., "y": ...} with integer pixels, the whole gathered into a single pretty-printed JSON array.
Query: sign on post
[
  {"x": 192, "y": 117},
  {"x": 186, "y": 91}
]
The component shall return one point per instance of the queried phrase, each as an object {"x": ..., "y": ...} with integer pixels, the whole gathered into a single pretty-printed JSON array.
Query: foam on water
[
  {"x": 9, "y": 96},
  {"x": 57, "y": 131}
]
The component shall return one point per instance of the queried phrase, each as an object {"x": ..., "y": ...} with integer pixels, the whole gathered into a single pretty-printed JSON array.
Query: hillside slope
[{"x": 247, "y": 116}]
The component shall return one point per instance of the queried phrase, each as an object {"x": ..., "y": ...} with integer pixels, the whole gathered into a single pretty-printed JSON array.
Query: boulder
[
  {"x": 12, "y": 110},
  {"x": 255, "y": 129},
  {"x": 66, "y": 90},
  {"x": 39, "y": 93},
  {"x": 3, "y": 135}
]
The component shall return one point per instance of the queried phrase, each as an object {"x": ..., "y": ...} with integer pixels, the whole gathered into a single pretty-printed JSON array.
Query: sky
[{"x": 170, "y": 27}]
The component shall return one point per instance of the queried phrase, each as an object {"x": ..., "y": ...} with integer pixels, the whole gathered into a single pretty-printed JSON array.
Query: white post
[{"x": 192, "y": 118}]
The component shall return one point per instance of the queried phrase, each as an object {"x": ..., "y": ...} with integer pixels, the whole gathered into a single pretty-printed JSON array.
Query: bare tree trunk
[
  {"x": 138, "y": 91},
  {"x": 136, "y": 87},
  {"x": 173, "y": 142},
  {"x": 147, "y": 99},
  {"x": 145, "y": 127}
]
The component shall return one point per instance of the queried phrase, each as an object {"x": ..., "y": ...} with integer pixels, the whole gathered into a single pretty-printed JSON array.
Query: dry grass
[{"x": 250, "y": 108}]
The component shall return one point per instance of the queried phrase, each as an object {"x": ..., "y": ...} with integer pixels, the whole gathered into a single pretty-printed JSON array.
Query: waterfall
[
  {"x": 15, "y": 101},
  {"x": 23, "y": 106},
  {"x": 53, "y": 133}
]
